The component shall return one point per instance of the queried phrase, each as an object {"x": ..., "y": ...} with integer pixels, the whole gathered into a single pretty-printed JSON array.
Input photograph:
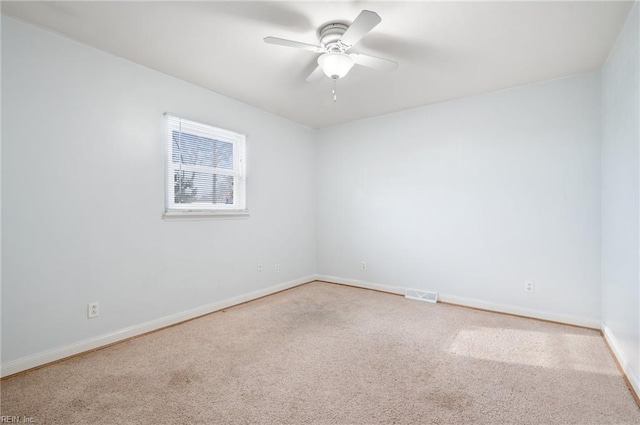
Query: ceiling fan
[{"x": 336, "y": 38}]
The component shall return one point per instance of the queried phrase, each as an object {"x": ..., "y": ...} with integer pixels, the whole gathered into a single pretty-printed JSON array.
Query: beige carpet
[{"x": 330, "y": 354}]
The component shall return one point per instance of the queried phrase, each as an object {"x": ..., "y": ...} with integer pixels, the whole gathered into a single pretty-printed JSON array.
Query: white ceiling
[{"x": 446, "y": 50}]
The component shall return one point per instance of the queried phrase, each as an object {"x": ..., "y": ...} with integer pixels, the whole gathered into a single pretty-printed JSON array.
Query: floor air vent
[{"x": 415, "y": 294}]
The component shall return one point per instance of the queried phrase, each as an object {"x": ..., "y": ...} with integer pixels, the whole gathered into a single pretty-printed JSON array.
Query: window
[{"x": 205, "y": 168}]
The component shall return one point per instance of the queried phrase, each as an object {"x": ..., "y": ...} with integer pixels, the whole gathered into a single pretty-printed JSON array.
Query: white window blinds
[{"x": 205, "y": 167}]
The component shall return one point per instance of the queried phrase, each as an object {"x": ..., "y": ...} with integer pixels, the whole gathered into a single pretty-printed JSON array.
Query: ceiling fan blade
[
  {"x": 374, "y": 62},
  {"x": 317, "y": 74},
  {"x": 291, "y": 43},
  {"x": 364, "y": 23}
]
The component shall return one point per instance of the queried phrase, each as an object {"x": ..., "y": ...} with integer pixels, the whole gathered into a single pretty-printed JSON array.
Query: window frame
[{"x": 199, "y": 209}]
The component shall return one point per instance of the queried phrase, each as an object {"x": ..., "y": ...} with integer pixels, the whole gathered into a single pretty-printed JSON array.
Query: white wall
[
  {"x": 83, "y": 195},
  {"x": 620, "y": 197},
  {"x": 471, "y": 198}
]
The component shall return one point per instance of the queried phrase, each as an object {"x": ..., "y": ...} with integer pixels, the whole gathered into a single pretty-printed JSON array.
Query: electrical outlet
[
  {"x": 363, "y": 265},
  {"x": 529, "y": 286},
  {"x": 93, "y": 310},
  {"x": 260, "y": 267},
  {"x": 276, "y": 268}
]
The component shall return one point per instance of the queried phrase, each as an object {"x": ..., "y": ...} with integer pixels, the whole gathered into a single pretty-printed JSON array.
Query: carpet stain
[
  {"x": 182, "y": 378},
  {"x": 78, "y": 404},
  {"x": 452, "y": 401}
]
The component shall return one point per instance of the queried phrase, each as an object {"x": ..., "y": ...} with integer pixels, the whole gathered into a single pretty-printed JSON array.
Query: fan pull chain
[{"x": 335, "y": 96}]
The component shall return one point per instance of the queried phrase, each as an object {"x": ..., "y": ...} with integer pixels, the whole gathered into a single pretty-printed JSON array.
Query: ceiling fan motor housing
[{"x": 330, "y": 35}]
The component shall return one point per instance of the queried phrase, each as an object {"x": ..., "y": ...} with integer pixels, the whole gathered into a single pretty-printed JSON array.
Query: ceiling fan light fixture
[{"x": 335, "y": 65}]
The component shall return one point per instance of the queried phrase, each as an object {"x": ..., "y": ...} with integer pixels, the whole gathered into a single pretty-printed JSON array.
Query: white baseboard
[
  {"x": 470, "y": 302},
  {"x": 520, "y": 311},
  {"x": 624, "y": 363},
  {"x": 43, "y": 358},
  {"x": 360, "y": 284}
]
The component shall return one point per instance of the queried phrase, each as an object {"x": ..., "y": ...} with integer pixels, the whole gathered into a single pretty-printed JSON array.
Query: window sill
[{"x": 204, "y": 215}]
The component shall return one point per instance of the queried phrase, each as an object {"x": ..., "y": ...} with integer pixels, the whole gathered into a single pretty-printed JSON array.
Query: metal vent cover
[{"x": 420, "y": 295}]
